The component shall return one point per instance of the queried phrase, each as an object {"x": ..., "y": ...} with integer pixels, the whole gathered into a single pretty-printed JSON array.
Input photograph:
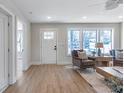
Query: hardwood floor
[{"x": 50, "y": 79}]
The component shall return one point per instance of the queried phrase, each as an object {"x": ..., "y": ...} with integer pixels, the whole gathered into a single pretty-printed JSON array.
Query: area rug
[{"x": 95, "y": 80}]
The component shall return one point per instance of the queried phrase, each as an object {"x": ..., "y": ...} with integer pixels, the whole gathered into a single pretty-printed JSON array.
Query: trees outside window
[
  {"x": 89, "y": 40},
  {"x": 73, "y": 40},
  {"x": 106, "y": 38}
]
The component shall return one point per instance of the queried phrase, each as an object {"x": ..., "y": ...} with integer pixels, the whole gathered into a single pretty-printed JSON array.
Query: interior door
[
  {"x": 3, "y": 51},
  {"x": 49, "y": 47}
]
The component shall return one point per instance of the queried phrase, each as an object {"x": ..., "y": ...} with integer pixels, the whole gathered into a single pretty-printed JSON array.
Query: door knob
[{"x": 55, "y": 48}]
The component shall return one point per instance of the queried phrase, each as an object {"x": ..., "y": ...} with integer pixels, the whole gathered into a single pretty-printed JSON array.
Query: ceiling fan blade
[
  {"x": 120, "y": 1},
  {"x": 111, "y": 5},
  {"x": 115, "y": 1}
]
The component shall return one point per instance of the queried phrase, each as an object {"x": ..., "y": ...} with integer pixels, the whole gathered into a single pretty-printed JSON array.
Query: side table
[
  {"x": 103, "y": 59},
  {"x": 118, "y": 62}
]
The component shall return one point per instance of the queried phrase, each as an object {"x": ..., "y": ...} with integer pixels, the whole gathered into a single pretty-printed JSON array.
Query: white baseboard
[
  {"x": 35, "y": 63},
  {"x": 27, "y": 67},
  {"x": 12, "y": 81},
  {"x": 59, "y": 63},
  {"x": 2, "y": 90},
  {"x": 63, "y": 63}
]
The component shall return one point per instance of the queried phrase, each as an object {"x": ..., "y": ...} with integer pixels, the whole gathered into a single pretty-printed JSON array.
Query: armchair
[{"x": 81, "y": 63}]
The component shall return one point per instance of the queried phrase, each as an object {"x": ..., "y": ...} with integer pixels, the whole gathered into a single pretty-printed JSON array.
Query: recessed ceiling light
[
  {"x": 120, "y": 16},
  {"x": 84, "y": 17},
  {"x": 49, "y": 17}
]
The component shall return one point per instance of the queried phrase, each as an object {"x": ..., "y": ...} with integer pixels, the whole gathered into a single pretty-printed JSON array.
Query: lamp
[{"x": 99, "y": 45}]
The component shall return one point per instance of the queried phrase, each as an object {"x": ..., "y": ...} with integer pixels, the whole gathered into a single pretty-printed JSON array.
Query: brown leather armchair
[{"x": 81, "y": 63}]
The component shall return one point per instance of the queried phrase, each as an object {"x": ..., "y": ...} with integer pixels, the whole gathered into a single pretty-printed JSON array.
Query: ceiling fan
[{"x": 110, "y": 4}]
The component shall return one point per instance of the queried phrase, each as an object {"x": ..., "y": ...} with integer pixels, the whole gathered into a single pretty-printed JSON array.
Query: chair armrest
[
  {"x": 77, "y": 58},
  {"x": 76, "y": 61},
  {"x": 91, "y": 58}
]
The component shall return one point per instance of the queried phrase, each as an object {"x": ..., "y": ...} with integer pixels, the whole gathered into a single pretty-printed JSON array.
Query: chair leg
[
  {"x": 73, "y": 66},
  {"x": 80, "y": 70},
  {"x": 94, "y": 68}
]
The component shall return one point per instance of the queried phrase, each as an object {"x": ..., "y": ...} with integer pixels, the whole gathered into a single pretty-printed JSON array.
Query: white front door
[
  {"x": 3, "y": 51},
  {"x": 49, "y": 47}
]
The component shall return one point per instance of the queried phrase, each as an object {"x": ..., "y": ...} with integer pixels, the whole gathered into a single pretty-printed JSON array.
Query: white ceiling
[{"x": 68, "y": 11}]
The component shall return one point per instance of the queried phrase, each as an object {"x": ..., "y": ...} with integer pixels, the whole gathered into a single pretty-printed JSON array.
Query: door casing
[
  {"x": 12, "y": 46},
  {"x": 4, "y": 50}
]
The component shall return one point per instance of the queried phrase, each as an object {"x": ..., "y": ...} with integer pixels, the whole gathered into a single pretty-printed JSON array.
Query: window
[
  {"x": 73, "y": 40},
  {"x": 48, "y": 35},
  {"x": 19, "y": 41},
  {"x": 106, "y": 38},
  {"x": 20, "y": 31},
  {"x": 87, "y": 38}
]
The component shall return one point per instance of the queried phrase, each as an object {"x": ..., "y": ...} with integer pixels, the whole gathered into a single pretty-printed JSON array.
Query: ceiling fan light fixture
[{"x": 120, "y": 1}]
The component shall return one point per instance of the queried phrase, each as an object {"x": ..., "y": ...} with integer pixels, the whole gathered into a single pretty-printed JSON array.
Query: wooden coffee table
[{"x": 111, "y": 72}]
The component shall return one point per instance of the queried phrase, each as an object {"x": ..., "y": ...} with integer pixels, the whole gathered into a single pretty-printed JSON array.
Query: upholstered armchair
[{"x": 81, "y": 63}]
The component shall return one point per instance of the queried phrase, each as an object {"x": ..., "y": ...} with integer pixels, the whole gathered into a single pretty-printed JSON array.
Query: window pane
[
  {"x": 89, "y": 41},
  {"x": 105, "y": 37},
  {"x": 19, "y": 41},
  {"x": 73, "y": 40},
  {"x": 48, "y": 35}
]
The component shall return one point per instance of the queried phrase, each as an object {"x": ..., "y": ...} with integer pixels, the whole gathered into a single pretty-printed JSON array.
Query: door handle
[{"x": 55, "y": 48}]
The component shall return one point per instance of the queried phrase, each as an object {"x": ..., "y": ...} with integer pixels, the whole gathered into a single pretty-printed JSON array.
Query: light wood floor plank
[{"x": 50, "y": 79}]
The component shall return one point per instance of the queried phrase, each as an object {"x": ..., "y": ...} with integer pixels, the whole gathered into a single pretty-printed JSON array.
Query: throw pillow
[{"x": 82, "y": 55}]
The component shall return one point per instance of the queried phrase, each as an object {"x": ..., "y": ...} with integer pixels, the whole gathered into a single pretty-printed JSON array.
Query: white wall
[
  {"x": 27, "y": 47},
  {"x": 11, "y": 7},
  {"x": 121, "y": 27},
  {"x": 62, "y": 38}
]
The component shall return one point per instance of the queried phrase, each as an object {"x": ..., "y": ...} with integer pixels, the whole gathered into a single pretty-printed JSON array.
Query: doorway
[
  {"x": 4, "y": 51},
  {"x": 49, "y": 47},
  {"x": 19, "y": 48}
]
